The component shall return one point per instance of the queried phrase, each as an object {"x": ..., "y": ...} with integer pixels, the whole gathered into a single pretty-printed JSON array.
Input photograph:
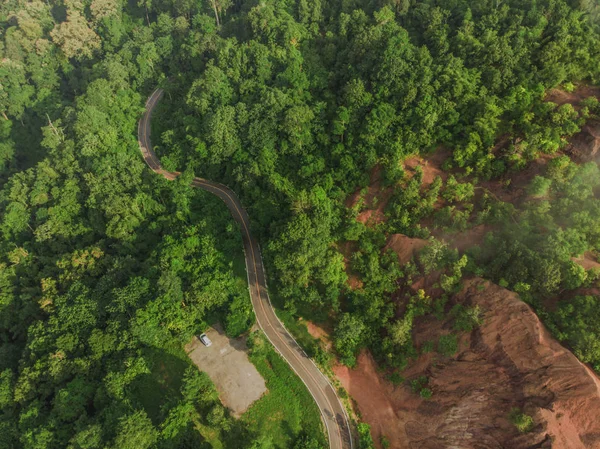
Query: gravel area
[{"x": 226, "y": 362}]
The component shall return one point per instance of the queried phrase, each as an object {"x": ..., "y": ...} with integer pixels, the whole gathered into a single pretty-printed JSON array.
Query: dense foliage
[
  {"x": 297, "y": 103},
  {"x": 107, "y": 270}
]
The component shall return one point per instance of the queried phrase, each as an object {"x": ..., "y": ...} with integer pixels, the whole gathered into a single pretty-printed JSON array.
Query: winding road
[{"x": 332, "y": 411}]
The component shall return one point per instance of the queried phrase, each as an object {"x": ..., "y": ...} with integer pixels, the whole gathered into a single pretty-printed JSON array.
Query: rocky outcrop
[
  {"x": 584, "y": 146},
  {"x": 510, "y": 361}
]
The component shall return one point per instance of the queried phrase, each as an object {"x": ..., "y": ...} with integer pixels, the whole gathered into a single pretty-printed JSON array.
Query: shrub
[
  {"x": 466, "y": 318},
  {"x": 385, "y": 443},
  {"x": 458, "y": 192},
  {"x": 523, "y": 422},
  {"x": 592, "y": 104},
  {"x": 396, "y": 378},
  {"x": 448, "y": 345},
  {"x": 240, "y": 316},
  {"x": 418, "y": 384},
  {"x": 365, "y": 440},
  {"x": 539, "y": 187},
  {"x": 426, "y": 347},
  {"x": 425, "y": 393}
]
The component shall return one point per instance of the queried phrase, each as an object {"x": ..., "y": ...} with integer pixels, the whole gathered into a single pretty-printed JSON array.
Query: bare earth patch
[
  {"x": 377, "y": 400},
  {"x": 374, "y": 200},
  {"x": 561, "y": 97},
  {"x": 585, "y": 145},
  {"x": 319, "y": 332},
  {"x": 405, "y": 247},
  {"x": 226, "y": 362},
  {"x": 588, "y": 261},
  {"x": 466, "y": 239},
  {"x": 431, "y": 165}
]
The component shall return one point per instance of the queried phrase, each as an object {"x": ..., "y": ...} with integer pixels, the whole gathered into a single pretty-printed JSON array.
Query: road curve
[{"x": 332, "y": 411}]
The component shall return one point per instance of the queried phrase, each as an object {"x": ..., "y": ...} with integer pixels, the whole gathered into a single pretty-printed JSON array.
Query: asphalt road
[{"x": 332, "y": 411}]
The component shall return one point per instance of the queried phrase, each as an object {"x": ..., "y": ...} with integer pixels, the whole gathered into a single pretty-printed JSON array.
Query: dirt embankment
[
  {"x": 585, "y": 145},
  {"x": 430, "y": 165},
  {"x": 588, "y": 261},
  {"x": 511, "y": 361},
  {"x": 582, "y": 92},
  {"x": 405, "y": 247}
]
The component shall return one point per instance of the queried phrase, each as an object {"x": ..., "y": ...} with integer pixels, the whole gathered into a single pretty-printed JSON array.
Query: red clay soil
[
  {"x": 320, "y": 333},
  {"x": 380, "y": 404},
  {"x": 511, "y": 361},
  {"x": 354, "y": 283},
  {"x": 404, "y": 246},
  {"x": 588, "y": 261},
  {"x": 561, "y": 97},
  {"x": 316, "y": 331},
  {"x": 374, "y": 201},
  {"x": 431, "y": 165},
  {"x": 584, "y": 146}
]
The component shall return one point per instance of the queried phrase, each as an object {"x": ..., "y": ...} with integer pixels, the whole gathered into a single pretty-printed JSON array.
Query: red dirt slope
[
  {"x": 510, "y": 361},
  {"x": 584, "y": 146},
  {"x": 404, "y": 246},
  {"x": 375, "y": 199}
]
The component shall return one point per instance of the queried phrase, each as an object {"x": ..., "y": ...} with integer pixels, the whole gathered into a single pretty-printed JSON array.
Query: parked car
[{"x": 204, "y": 339}]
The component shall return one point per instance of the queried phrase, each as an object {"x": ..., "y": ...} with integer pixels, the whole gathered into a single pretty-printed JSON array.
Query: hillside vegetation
[
  {"x": 106, "y": 270},
  {"x": 296, "y": 104}
]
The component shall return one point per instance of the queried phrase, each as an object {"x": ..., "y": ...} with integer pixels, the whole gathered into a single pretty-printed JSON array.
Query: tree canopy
[{"x": 106, "y": 270}]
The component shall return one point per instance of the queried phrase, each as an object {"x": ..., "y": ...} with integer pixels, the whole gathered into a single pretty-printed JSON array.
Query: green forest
[{"x": 107, "y": 270}]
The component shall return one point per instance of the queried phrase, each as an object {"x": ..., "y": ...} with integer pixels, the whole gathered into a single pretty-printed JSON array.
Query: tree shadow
[
  {"x": 158, "y": 391},
  {"x": 188, "y": 438}
]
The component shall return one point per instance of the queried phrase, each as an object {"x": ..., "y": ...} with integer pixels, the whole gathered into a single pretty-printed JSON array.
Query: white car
[{"x": 204, "y": 339}]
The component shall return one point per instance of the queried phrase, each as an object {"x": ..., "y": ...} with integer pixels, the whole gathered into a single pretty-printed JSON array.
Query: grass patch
[
  {"x": 211, "y": 435},
  {"x": 448, "y": 345},
  {"x": 239, "y": 267},
  {"x": 299, "y": 331},
  {"x": 288, "y": 410}
]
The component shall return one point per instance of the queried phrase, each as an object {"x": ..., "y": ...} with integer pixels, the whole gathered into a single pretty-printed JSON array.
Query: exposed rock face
[
  {"x": 584, "y": 146},
  {"x": 510, "y": 361},
  {"x": 513, "y": 359}
]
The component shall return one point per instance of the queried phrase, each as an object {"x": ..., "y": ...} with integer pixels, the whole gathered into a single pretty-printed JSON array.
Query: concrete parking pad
[{"x": 226, "y": 362}]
